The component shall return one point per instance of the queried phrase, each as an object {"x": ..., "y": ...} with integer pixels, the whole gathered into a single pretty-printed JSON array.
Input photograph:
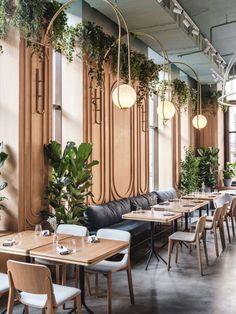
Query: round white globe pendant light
[
  {"x": 199, "y": 121},
  {"x": 124, "y": 96},
  {"x": 166, "y": 110}
]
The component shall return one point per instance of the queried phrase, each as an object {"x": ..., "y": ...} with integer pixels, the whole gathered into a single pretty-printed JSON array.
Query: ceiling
[{"x": 159, "y": 21}]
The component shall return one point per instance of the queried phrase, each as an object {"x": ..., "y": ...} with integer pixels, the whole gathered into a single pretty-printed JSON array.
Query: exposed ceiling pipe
[{"x": 219, "y": 25}]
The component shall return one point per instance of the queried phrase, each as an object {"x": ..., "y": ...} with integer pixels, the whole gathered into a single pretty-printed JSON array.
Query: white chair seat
[
  {"x": 4, "y": 285},
  {"x": 106, "y": 266},
  {"x": 183, "y": 236},
  {"x": 62, "y": 294}
]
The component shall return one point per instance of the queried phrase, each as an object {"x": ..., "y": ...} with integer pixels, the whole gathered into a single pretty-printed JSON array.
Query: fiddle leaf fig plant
[
  {"x": 189, "y": 172},
  {"x": 70, "y": 180},
  {"x": 208, "y": 165},
  {"x": 3, "y": 184}
]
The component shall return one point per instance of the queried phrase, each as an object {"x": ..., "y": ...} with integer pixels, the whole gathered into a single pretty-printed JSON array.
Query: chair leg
[
  {"x": 199, "y": 256},
  {"x": 11, "y": 298},
  {"x": 63, "y": 278},
  {"x": 205, "y": 247},
  {"x": 177, "y": 252},
  {"x": 96, "y": 285},
  {"x": 88, "y": 283},
  {"x": 109, "y": 292},
  {"x": 43, "y": 311},
  {"x": 130, "y": 283},
  {"x": 170, "y": 245},
  {"x": 57, "y": 274},
  {"x": 78, "y": 304},
  {"x": 216, "y": 241},
  {"x": 222, "y": 235},
  {"x": 26, "y": 309},
  {"x": 232, "y": 224},
  {"x": 227, "y": 226},
  {"x": 76, "y": 277}
]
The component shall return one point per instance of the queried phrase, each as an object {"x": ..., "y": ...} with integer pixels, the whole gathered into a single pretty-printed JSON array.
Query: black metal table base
[
  {"x": 81, "y": 274},
  {"x": 152, "y": 251}
]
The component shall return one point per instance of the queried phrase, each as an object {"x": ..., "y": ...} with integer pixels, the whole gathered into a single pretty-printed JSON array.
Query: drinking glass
[
  {"x": 38, "y": 230},
  {"x": 18, "y": 239},
  {"x": 71, "y": 245}
]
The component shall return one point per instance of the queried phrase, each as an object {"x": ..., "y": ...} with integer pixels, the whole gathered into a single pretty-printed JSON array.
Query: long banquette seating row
[{"x": 109, "y": 215}]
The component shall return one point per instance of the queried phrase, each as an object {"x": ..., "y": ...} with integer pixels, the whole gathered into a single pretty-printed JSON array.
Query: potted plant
[
  {"x": 70, "y": 180},
  {"x": 189, "y": 172},
  {"x": 3, "y": 185},
  {"x": 229, "y": 172},
  {"x": 208, "y": 167}
]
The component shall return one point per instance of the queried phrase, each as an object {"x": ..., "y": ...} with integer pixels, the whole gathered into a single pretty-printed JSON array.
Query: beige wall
[
  {"x": 9, "y": 126},
  {"x": 72, "y": 96},
  {"x": 165, "y": 154}
]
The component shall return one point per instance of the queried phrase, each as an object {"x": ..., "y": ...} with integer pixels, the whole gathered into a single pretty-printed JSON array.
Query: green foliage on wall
[
  {"x": 182, "y": 95},
  {"x": 3, "y": 184}
]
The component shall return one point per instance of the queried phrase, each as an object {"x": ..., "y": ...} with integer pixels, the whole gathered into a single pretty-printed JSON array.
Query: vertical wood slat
[
  {"x": 120, "y": 144},
  {"x": 35, "y": 131}
]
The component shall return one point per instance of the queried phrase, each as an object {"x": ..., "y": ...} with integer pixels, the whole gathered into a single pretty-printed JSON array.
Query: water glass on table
[{"x": 38, "y": 230}]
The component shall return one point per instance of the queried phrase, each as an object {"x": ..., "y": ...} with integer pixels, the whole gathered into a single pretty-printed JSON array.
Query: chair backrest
[
  {"x": 114, "y": 234},
  {"x": 219, "y": 202},
  {"x": 200, "y": 225},
  {"x": 31, "y": 278},
  {"x": 217, "y": 214},
  {"x": 233, "y": 206},
  {"x": 75, "y": 230},
  {"x": 224, "y": 210}
]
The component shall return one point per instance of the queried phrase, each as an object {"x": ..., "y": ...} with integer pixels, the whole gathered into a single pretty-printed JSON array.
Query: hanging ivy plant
[
  {"x": 31, "y": 18},
  {"x": 6, "y": 10},
  {"x": 210, "y": 102},
  {"x": 182, "y": 95}
]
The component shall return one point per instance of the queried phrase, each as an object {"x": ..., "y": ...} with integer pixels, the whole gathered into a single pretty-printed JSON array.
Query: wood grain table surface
[
  {"x": 148, "y": 215},
  {"x": 86, "y": 253},
  {"x": 26, "y": 241},
  {"x": 182, "y": 205}
]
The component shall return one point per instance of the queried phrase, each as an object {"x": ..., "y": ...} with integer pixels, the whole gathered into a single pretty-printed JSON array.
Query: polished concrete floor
[{"x": 180, "y": 291}]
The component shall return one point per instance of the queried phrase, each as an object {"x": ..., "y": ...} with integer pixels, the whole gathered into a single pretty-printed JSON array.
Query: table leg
[
  {"x": 186, "y": 221},
  {"x": 81, "y": 276},
  {"x": 175, "y": 225},
  {"x": 152, "y": 249}
]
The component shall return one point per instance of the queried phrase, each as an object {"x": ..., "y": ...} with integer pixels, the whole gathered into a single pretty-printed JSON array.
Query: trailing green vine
[
  {"x": 182, "y": 95},
  {"x": 98, "y": 48},
  {"x": 31, "y": 18},
  {"x": 6, "y": 10}
]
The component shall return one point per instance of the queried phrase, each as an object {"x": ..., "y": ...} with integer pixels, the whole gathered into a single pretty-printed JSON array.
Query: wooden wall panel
[
  {"x": 120, "y": 142},
  {"x": 35, "y": 131}
]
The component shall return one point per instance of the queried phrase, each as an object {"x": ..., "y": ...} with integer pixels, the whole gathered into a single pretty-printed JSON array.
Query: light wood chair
[
  {"x": 189, "y": 238},
  {"x": 4, "y": 286},
  {"x": 224, "y": 218},
  {"x": 231, "y": 213},
  {"x": 71, "y": 229},
  {"x": 214, "y": 223},
  {"x": 31, "y": 284},
  {"x": 107, "y": 268}
]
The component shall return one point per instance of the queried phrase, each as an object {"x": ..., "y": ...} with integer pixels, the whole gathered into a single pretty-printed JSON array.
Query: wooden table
[
  {"x": 4, "y": 233},
  {"x": 26, "y": 241},
  {"x": 153, "y": 216},
  {"x": 184, "y": 206},
  {"x": 203, "y": 196},
  {"x": 86, "y": 254},
  {"x": 229, "y": 191}
]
